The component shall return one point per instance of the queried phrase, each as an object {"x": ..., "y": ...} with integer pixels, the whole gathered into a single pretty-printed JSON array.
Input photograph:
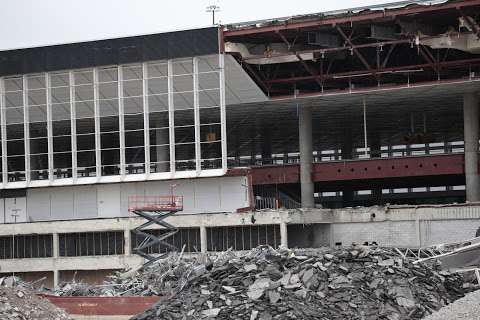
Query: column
[
  {"x": 127, "y": 242},
  {"x": 347, "y": 154},
  {"x": 55, "y": 255},
  {"x": 203, "y": 239},
  {"x": 283, "y": 234},
  {"x": 56, "y": 278},
  {"x": 55, "y": 246},
  {"x": 376, "y": 152},
  {"x": 470, "y": 120},
  {"x": 306, "y": 157}
]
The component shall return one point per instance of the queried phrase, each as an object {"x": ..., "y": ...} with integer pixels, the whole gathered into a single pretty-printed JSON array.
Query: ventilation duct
[
  {"x": 273, "y": 54},
  {"x": 463, "y": 42}
]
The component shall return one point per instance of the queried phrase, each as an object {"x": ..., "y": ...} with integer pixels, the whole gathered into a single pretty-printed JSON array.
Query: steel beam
[
  {"x": 349, "y": 19},
  {"x": 367, "y": 73},
  {"x": 425, "y": 166}
]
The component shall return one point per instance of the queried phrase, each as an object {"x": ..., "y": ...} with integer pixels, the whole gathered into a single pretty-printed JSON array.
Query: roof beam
[
  {"x": 470, "y": 22},
  {"x": 356, "y": 51},
  {"x": 375, "y": 15},
  {"x": 299, "y": 57},
  {"x": 366, "y": 73}
]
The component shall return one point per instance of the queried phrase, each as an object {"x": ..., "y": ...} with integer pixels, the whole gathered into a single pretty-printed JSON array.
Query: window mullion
[
  {"x": 98, "y": 153},
  {"x": 73, "y": 125},
  {"x": 26, "y": 133},
  {"x": 49, "y": 127},
  {"x": 3, "y": 125},
  {"x": 146, "y": 118},
  {"x": 121, "y": 121},
  {"x": 196, "y": 110},
  {"x": 171, "y": 119}
]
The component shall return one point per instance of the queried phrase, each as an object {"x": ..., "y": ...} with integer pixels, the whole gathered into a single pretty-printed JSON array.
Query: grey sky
[{"x": 29, "y": 23}]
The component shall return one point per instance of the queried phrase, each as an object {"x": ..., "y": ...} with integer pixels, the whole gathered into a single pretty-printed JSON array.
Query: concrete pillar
[
  {"x": 203, "y": 239},
  {"x": 306, "y": 157},
  {"x": 127, "y": 240},
  {"x": 471, "y": 136},
  {"x": 55, "y": 255},
  {"x": 162, "y": 153},
  {"x": 347, "y": 154},
  {"x": 56, "y": 278},
  {"x": 283, "y": 234},
  {"x": 55, "y": 246}
]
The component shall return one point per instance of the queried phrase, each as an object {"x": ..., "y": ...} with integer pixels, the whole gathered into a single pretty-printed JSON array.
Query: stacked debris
[
  {"x": 20, "y": 304},
  {"x": 358, "y": 283}
]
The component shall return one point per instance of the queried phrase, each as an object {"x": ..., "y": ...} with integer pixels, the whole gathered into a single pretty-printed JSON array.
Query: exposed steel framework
[{"x": 366, "y": 63}]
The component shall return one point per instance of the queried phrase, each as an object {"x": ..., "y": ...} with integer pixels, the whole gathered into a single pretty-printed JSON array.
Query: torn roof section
[{"x": 388, "y": 46}]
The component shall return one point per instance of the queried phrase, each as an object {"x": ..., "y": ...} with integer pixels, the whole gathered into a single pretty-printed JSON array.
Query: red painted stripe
[{"x": 111, "y": 306}]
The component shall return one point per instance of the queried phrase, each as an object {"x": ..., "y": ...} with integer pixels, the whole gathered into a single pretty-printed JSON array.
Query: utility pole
[{"x": 213, "y": 8}]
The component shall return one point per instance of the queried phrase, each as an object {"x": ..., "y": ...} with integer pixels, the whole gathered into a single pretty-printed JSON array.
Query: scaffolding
[{"x": 154, "y": 209}]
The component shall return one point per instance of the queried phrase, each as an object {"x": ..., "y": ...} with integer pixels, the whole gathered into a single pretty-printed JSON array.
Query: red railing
[{"x": 155, "y": 203}]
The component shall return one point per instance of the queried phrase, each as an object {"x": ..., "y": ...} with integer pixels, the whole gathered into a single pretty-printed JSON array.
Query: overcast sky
[{"x": 29, "y": 23}]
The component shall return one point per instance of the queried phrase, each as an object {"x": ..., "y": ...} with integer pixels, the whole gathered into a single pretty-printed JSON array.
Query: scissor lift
[{"x": 155, "y": 209}]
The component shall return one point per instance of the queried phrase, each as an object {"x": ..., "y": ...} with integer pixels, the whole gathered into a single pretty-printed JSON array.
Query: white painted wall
[{"x": 209, "y": 195}]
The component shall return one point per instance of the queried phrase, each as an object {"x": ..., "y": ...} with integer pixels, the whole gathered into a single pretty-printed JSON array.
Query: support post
[
  {"x": 306, "y": 157},
  {"x": 203, "y": 239},
  {"x": 56, "y": 278},
  {"x": 283, "y": 234},
  {"x": 55, "y": 255},
  {"x": 127, "y": 242},
  {"x": 471, "y": 136},
  {"x": 55, "y": 246}
]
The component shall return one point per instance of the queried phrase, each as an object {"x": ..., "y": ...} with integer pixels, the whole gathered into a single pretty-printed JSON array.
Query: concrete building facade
[{"x": 257, "y": 125}]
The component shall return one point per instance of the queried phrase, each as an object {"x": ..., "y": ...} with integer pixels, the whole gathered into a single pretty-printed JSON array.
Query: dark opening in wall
[
  {"x": 26, "y": 246},
  {"x": 308, "y": 236},
  {"x": 91, "y": 244},
  {"x": 242, "y": 237},
  {"x": 190, "y": 237}
]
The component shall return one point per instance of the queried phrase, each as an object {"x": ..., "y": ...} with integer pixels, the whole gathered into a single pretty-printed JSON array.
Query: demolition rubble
[
  {"x": 21, "y": 304},
  {"x": 356, "y": 283}
]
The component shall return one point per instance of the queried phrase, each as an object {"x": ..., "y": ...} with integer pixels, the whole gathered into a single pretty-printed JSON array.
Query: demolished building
[{"x": 248, "y": 123}]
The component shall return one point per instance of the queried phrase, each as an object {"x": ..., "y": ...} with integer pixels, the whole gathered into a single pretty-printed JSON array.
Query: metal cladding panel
[
  {"x": 160, "y": 46},
  {"x": 109, "y": 200},
  {"x": 38, "y": 208},
  {"x": 62, "y": 203},
  {"x": 2, "y": 210},
  {"x": 127, "y": 190},
  {"x": 85, "y": 203},
  {"x": 15, "y": 210}
]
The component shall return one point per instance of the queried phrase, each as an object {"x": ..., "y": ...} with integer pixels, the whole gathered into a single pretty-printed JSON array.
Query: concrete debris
[
  {"x": 467, "y": 308},
  {"x": 357, "y": 283},
  {"x": 20, "y": 304}
]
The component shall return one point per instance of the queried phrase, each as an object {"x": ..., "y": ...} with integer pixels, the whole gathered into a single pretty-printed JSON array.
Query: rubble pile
[
  {"x": 21, "y": 304},
  {"x": 356, "y": 283}
]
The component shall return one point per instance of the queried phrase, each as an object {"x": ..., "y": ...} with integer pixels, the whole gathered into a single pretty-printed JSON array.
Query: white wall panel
[
  {"x": 2, "y": 210},
  {"x": 85, "y": 202},
  {"x": 62, "y": 203},
  {"x": 15, "y": 210},
  {"x": 208, "y": 195},
  {"x": 108, "y": 200},
  {"x": 38, "y": 208},
  {"x": 127, "y": 190}
]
